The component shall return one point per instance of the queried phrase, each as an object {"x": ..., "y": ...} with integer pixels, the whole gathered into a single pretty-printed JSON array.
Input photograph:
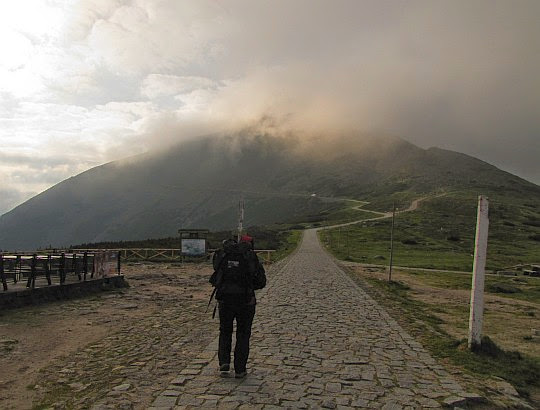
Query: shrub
[{"x": 502, "y": 288}]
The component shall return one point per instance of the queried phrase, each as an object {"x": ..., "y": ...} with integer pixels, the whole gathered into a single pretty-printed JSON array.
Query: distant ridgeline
[{"x": 198, "y": 184}]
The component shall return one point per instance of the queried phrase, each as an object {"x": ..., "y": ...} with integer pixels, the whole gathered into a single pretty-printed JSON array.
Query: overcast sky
[{"x": 83, "y": 82}]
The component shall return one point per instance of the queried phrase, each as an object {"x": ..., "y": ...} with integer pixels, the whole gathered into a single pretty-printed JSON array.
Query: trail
[
  {"x": 319, "y": 341},
  {"x": 383, "y": 215}
]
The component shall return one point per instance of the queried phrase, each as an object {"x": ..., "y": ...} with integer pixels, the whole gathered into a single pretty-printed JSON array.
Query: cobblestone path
[{"x": 318, "y": 341}]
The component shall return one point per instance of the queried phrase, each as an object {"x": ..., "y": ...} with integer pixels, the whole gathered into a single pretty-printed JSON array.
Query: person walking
[{"x": 237, "y": 274}]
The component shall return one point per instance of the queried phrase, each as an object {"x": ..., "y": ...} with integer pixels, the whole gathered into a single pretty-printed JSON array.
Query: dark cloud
[{"x": 124, "y": 76}]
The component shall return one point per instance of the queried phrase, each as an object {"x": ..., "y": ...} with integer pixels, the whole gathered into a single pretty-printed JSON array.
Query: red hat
[{"x": 246, "y": 238}]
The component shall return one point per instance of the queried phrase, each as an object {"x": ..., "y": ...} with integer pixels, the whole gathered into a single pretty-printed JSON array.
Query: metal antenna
[{"x": 240, "y": 217}]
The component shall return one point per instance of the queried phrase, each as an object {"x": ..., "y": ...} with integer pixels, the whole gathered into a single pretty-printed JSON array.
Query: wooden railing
[
  {"x": 23, "y": 266},
  {"x": 170, "y": 254}
]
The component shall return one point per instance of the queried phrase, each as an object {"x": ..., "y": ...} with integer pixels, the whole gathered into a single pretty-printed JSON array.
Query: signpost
[
  {"x": 193, "y": 241},
  {"x": 477, "y": 291}
]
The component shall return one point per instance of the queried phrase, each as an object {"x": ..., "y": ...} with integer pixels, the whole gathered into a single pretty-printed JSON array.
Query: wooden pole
[
  {"x": 392, "y": 242},
  {"x": 476, "y": 316}
]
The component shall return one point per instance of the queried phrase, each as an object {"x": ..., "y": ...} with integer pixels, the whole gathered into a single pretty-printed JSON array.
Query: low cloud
[{"x": 108, "y": 79}]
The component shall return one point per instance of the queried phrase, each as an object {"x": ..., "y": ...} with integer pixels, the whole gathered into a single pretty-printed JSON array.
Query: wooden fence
[
  {"x": 171, "y": 254},
  {"x": 52, "y": 267}
]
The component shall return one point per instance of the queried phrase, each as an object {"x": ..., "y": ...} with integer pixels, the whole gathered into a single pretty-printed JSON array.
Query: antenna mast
[{"x": 240, "y": 217}]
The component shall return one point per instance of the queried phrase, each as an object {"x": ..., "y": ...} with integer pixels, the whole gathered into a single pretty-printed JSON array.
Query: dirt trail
[{"x": 383, "y": 215}]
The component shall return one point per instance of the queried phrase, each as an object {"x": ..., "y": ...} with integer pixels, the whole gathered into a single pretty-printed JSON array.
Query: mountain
[{"x": 198, "y": 184}]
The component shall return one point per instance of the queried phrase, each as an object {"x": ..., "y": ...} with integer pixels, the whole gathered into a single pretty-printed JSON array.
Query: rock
[
  {"x": 122, "y": 387},
  {"x": 505, "y": 388},
  {"x": 77, "y": 386},
  {"x": 454, "y": 401},
  {"x": 333, "y": 387},
  {"x": 7, "y": 345},
  {"x": 328, "y": 404},
  {"x": 128, "y": 306},
  {"x": 474, "y": 398}
]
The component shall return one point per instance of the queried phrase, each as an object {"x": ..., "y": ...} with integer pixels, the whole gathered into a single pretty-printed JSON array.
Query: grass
[
  {"x": 422, "y": 320},
  {"x": 440, "y": 235},
  {"x": 288, "y": 244},
  {"x": 522, "y": 288}
]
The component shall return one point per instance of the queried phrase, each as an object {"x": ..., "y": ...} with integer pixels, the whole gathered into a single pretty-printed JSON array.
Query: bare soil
[
  {"x": 73, "y": 353},
  {"x": 509, "y": 322}
]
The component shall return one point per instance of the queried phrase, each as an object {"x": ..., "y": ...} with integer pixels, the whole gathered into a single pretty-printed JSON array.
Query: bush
[
  {"x": 453, "y": 238},
  {"x": 296, "y": 227},
  {"x": 502, "y": 288},
  {"x": 534, "y": 237},
  {"x": 409, "y": 242}
]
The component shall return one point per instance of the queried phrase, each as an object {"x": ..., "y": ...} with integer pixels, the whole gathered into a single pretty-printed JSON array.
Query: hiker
[{"x": 237, "y": 274}]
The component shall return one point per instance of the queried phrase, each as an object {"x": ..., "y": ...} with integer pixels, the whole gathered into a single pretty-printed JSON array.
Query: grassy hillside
[
  {"x": 440, "y": 234},
  {"x": 283, "y": 180}
]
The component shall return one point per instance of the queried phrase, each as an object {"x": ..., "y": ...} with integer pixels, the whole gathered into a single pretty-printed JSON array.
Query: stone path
[{"x": 318, "y": 341}]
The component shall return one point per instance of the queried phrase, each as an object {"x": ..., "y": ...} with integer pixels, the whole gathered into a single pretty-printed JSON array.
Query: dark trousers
[{"x": 243, "y": 314}]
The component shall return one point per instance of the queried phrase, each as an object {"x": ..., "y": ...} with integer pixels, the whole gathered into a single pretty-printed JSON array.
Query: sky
[{"x": 84, "y": 82}]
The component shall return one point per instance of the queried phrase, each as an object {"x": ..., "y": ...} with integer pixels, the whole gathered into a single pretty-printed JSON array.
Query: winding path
[{"x": 319, "y": 341}]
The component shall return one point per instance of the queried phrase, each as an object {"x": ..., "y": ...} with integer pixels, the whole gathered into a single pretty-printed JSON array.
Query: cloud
[
  {"x": 104, "y": 79},
  {"x": 158, "y": 85}
]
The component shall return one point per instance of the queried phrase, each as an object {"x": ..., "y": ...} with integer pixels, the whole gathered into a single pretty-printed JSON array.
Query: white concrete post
[{"x": 479, "y": 266}]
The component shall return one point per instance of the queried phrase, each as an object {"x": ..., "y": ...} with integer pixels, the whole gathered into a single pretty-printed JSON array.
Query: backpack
[{"x": 237, "y": 271}]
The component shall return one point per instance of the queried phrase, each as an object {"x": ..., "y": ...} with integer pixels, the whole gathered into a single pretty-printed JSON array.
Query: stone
[
  {"x": 333, "y": 387},
  {"x": 328, "y": 404},
  {"x": 454, "y": 401},
  {"x": 122, "y": 387}
]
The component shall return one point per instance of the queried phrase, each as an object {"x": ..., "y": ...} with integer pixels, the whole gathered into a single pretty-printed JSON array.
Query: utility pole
[
  {"x": 240, "y": 218},
  {"x": 479, "y": 266},
  {"x": 392, "y": 242}
]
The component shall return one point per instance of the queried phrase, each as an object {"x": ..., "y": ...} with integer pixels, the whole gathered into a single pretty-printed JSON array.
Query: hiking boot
[
  {"x": 224, "y": 369},
  {"x": 240, "y": 375}
]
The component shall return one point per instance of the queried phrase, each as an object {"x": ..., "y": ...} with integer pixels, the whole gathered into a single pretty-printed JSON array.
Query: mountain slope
[{"x": 198, "y": 184}]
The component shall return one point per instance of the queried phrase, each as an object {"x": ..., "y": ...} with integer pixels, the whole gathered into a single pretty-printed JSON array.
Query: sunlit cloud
[{"x": 89, "y": 81}]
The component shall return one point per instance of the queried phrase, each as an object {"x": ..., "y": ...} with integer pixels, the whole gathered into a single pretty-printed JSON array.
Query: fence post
[
  {"x": 62, "y": 269},
  {"x": 17, "y": 276},
  {"x": 4, "y": 283},
  {"x": 32, "y": 278},
  {"x": 119, "y": 263},
  {"x": 85, "y": 264},
  {"x": 476, "y": 316},
  {"x": 48, "y": 269},
  {"x": 93, "y": 265},
  {"x": 75, "y": 266}
]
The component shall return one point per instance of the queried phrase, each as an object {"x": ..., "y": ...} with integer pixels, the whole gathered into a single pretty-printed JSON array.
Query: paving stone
[
  {"x": 454, "y": 401},
  {"x": 164, "y": 401},
  {"x": 318, "y": 340}
]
